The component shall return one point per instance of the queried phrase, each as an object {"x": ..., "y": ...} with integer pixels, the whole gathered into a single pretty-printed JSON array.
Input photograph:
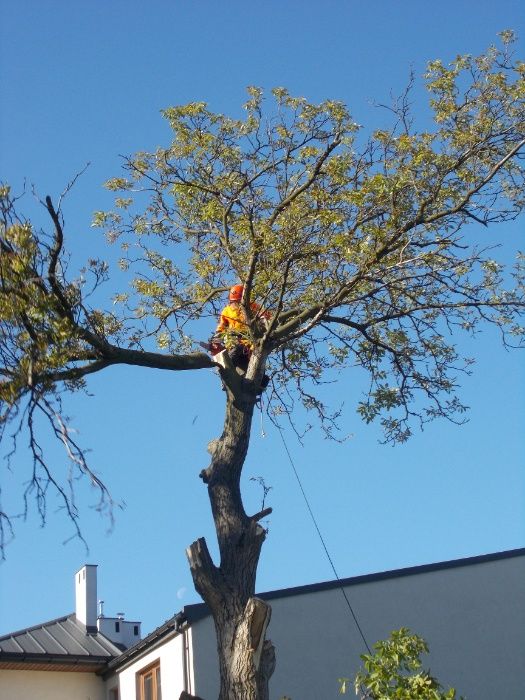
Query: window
[
  {"x": 136, "y": 630},
  {"x": 149, "y": 683},
  {"x": 117, "y": 626}
]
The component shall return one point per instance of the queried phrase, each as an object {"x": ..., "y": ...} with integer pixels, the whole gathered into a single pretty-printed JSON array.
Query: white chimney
[{"x": 86, "y": 596}]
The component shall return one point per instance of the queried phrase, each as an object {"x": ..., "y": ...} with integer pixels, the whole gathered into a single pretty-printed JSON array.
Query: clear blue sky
[{"x": 85, "y": 82}]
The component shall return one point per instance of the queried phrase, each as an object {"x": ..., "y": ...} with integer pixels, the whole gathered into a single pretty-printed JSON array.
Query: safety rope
[
  {"x": 354, "y": 616},
  {"x": 263, "y": 434}
]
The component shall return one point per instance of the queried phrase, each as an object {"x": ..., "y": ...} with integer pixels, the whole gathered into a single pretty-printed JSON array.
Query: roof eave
[{"x": 92, "y": 664}]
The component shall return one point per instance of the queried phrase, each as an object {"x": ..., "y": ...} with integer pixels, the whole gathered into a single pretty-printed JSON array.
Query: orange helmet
[{"x": 236, "y": 292}]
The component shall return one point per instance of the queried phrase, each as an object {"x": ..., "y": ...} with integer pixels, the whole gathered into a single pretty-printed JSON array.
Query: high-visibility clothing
[{"x": 233, "y": 321}]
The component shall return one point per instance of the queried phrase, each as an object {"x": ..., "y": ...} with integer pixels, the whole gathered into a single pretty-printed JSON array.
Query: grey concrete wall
[
  {"x": 473, "y": 618},
  {"x": 205, "y": 664}
]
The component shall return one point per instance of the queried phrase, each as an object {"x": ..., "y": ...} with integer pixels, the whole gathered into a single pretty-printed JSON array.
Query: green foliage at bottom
[{"x": 395, "y": 671}]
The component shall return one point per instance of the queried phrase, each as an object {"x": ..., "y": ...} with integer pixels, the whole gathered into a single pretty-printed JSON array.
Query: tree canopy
[{"x": 358, "y": 246}]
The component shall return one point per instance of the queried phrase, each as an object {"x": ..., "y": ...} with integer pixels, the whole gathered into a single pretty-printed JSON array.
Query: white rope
[{"x": 263, "y": 434}]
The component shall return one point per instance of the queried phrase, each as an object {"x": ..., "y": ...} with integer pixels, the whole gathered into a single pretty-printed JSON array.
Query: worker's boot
[{"x": 219, "y": 358}]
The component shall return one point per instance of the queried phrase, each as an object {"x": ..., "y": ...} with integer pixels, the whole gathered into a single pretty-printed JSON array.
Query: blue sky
[{"x": 85, "y": 82}]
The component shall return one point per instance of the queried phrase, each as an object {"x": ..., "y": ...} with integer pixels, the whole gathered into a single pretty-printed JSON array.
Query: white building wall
[
  {"x": 50, "y": 685},
  {"x": 125, "y": 635},
  {"x": 170, "y": 655},
  {"x": 473, "y": 618}
]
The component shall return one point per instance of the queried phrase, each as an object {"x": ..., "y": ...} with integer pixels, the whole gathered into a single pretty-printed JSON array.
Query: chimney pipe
[{"x": 86, "y": 596}]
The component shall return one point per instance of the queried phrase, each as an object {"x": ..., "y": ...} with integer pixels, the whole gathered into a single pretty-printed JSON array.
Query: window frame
[{"x": 152, "y": 669}]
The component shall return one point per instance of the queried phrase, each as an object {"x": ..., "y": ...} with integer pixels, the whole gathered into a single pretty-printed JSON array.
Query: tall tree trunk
[{"x": 246, "y": 661}]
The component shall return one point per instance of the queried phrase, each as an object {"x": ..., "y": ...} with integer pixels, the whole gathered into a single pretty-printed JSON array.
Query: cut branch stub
[
  {"x": 206, "y": 576},
  {"x": 262, "y": 514}
]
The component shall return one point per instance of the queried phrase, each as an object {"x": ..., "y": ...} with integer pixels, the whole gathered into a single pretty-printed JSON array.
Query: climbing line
[{"x": 354, "y": 616}]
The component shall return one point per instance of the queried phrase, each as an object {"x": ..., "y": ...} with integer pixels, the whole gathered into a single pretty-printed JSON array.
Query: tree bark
[{"x": 246, "y": 659}]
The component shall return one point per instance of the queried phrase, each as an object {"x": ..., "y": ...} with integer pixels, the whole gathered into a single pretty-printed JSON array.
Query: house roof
[
  {"x": 65, "y": 644},
  {"x": 57, "y": 643},
  {"x": 197, "y": 611},
  {"x": 159, "y": 635}
]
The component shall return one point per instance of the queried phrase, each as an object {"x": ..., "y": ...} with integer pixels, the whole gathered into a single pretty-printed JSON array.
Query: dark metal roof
[
  {"x": 395, "y": 573},
  {"x": 64, "y": 640}
]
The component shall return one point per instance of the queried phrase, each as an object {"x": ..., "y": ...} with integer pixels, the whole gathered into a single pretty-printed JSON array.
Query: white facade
[
  {"x": 120, "y": 631},
  {"x": 51, "y": 685},
  {"x": 170, "y": 655}
]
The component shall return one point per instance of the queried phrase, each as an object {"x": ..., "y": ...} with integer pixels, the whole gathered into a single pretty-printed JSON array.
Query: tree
[
  {"x": 394, "y": 670},
  {"x": 358, "y": 249}
]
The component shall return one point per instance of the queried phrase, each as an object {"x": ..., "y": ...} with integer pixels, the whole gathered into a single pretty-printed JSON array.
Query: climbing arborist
[{"x": 233, "y": 331}]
